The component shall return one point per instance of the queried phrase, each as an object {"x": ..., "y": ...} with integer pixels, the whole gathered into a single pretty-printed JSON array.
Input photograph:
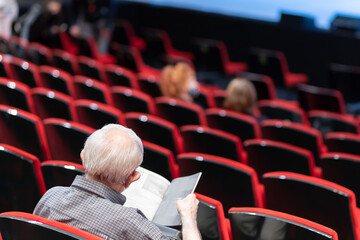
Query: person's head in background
[
  {"x": 178, "y": 81},
  {"x": 241, "y": 96}
]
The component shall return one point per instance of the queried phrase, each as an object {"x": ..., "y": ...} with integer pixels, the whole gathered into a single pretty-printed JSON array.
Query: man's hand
[{"x": 187, "y": 208}]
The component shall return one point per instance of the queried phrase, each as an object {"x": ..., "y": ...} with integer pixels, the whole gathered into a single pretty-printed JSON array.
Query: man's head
[{"x": 111, "y": 154}]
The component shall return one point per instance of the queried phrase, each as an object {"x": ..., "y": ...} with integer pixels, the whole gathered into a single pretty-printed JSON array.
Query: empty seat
[
  {"x": 66, "y": 139},
  {"x": 149, "y": 85},
  {"x": 4, "y": 45},
  {"x": 57, "y": 79},
  {"x": 96, "y": 115},
  {"x": 53, "y": 104},
  {"x": 156, "y": 130},
  {"x": 91, "y": 68},
  {"x": 89, "y": 47},
  {"x": 25, "y": 72},
  {"x": 16, "y": 94},
  {"x": 343, "y": 169},
  {"x": 241, "y": 125},
  {"x": 124, "y": 33},
  {"x": 343, "y": 142},
  {"x": 269, "y": 156},
  {"x": 313, "y": 199},
  {"x": 264, "y": 85},
  {"x": 327, "y": 122},
  {"x": 212, "y": 55},
  {"x": 170, "y": 50},
  {"x": 23, "y": 130},
  {"x": 40, "y": 54},
  {"x": 345, "y": 79},
  {"x": 127, "y": 57},
  {"x": 269, "y": 224},
  {"x": 88, "y": 88},
  {"x": 160, "y": 160},
  {"x": 131, "y": 58},
  {"x": 18, "y": 46},
  {"x": 212, "y": 141},
  {"x": 219, "y": 97},
  {"x": 5, "y": 70},
  {"x": 26, "y": 226},
  {"x": 296, "y": 134},
  {"x": 232, "y": 183},
  {"x": 283, "y": 110},
  {"x": 211, "y": 219},
  {"x": 274, "y": 64},
  {"x": 180, "y": 112},
  {"x": 160, "y": 40},
  {"x": 132, "y": 100},
  {"x": 205, "y": 97},
  {"x": 65, "y": 61},
  {"x": 21, "y": 180},
  {"x": 120, "y": 76},
  {"x": 159, "y": 50},
  {"x": 318, "y": 98},
  {"x": 60, "y": 173},
  {"x": 84, "y": 46}
]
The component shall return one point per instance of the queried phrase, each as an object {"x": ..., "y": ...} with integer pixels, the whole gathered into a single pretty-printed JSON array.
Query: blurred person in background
[
  {"x": 179, "y": 81},
  {"x": 241, "y": 96},
  {"x": 9, "y": 11}
]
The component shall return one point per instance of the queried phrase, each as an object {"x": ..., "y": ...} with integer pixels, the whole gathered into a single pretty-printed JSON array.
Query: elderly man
[{"x": 94, "y": 202}]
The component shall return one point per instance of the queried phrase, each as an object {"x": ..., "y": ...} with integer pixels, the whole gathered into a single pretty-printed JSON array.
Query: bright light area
[{"x": 323, "y": 11}]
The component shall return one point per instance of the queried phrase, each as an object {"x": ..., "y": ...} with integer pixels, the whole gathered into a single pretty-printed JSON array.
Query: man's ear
[
  {"x": 132, "y": 178},
  {"x": 82, "y": 156}
]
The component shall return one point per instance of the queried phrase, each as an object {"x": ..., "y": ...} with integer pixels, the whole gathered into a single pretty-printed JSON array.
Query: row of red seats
[
  {"x": 212, "y": 55},
  {"x": 270, "y": 62},
  {"x": 216, "y": 227},
  {"x": 208, "y": 165},
  {"x": 310, "y": 97},
  {"x": 47, "y": 103},
  {"x": 82, "y": 87},
  {"x": 71, "y": 135},
  {"x": 217, "y": 173}
]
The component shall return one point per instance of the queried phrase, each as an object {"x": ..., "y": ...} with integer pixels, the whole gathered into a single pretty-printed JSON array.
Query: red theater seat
[
  {"x": 317, "y": 98},
  {"x": 230, "y": 182},
  {"x": 96, "y": 115},
  {"x": 296, "y": 134},
  {"x": 212, "y": 141},
  {"x": 273, "y": 224},
  {"x": 180, "y": 112},
  {"x": 22, "y": 183},
  {"x": 313, "y": 199},
  {"x": 66, "y": 138},
  {"x": 156, "y": 130},
  {"x": 26, "y": 226},
  {"x": 60, "y": 173},
  {"x": 269, "y": 156}
]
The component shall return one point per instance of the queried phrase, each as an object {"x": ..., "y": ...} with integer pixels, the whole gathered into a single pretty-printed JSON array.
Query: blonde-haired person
[
  {"x": 241, "y": 96},
  {"x": 179, "y": 81}
]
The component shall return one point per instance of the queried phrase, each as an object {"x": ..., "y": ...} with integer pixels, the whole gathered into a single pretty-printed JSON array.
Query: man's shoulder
[
  {"x": 56, "y": 190},
  {"x": 53, "y": 194}
]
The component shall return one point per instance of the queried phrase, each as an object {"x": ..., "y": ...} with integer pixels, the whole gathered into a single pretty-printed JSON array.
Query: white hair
[{"x": 112, "y": 153}]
